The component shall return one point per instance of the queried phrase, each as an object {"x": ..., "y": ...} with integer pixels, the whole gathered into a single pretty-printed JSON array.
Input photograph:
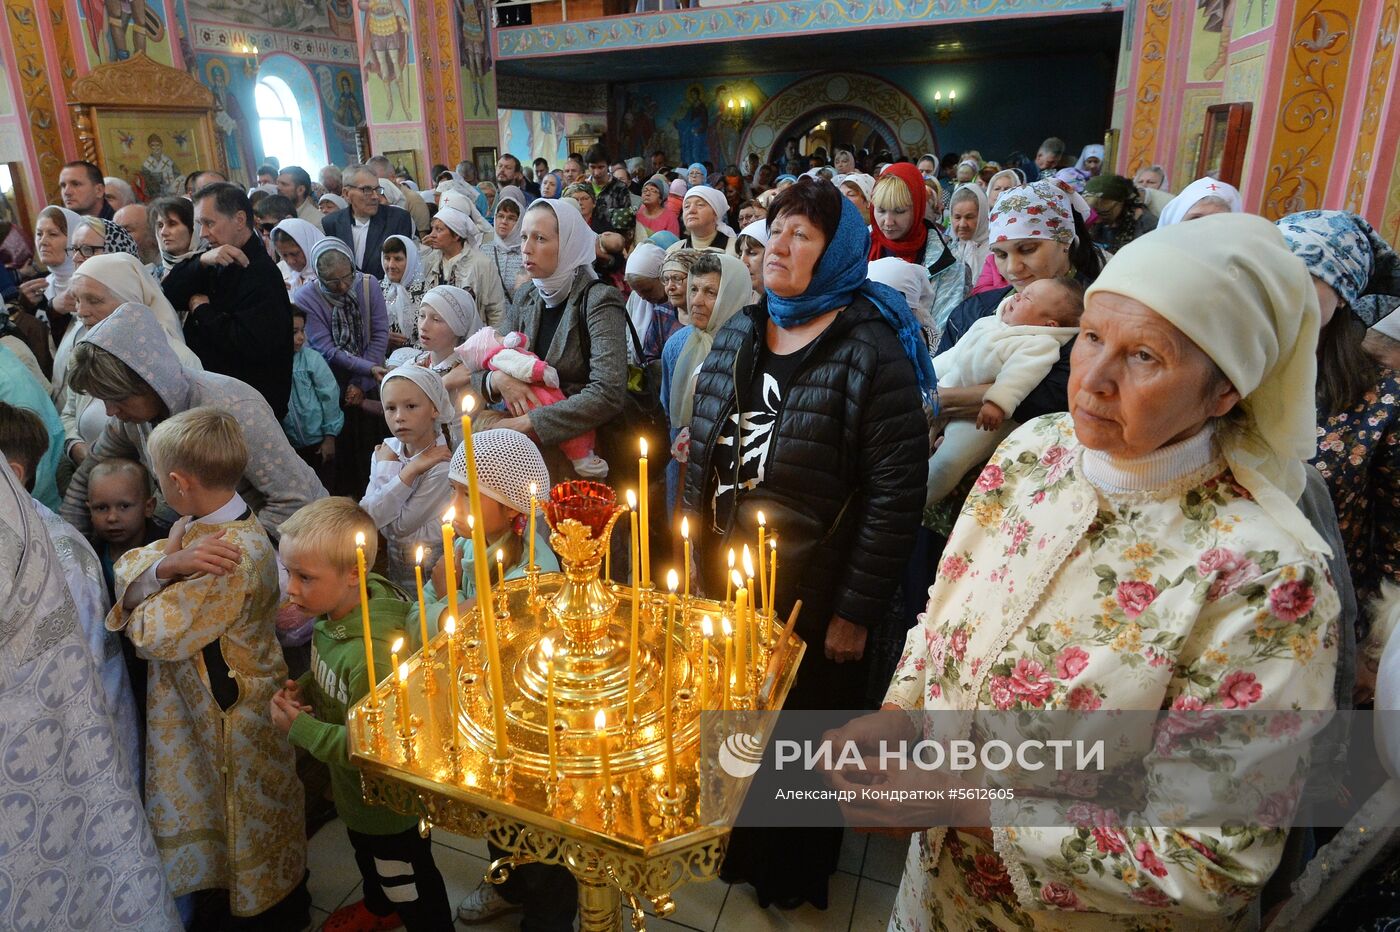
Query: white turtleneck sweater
[{"x": 1156, "y": 470}]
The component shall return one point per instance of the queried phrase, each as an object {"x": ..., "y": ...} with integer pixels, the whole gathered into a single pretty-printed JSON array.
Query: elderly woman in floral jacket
[{"x": 1142, "y": 552}]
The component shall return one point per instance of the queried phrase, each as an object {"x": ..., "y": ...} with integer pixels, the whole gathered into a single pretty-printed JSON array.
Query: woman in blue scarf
[{"x": 810, "y": 408}]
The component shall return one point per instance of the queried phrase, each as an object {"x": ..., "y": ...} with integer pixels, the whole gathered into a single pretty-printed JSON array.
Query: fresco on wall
[
  {"x": 233, "y": 92},
  {"x": 328, "y": 18},
  {"x": 341, "y": 103},
  {"x": 474, "y": 47},
  {"x": 531, "y": 134},
  {"x": 391, "y": 81},
  {"x": 1211, "y": 28},
  {"x": 114, "y": 30},
  {"x": 1253, "y": 15},
  {"x": 696, "y": 125}
]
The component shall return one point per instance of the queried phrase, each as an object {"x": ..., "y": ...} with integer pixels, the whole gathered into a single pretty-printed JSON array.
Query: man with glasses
[
  {"x": 366, "y": 223},
  {"x": 240, "y": 321}
]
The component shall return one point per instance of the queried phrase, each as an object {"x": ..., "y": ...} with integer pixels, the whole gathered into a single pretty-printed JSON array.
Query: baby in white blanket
[{"x": 1012, "y": 349}]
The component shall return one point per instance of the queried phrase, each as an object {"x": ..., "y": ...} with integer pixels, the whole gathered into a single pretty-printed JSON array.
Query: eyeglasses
[
  {"x": 673, "y": 279},
  {"x": 363, "y": 188},
  {"x": 339, "y": 279},
  {"x": 87, "y": 252}
]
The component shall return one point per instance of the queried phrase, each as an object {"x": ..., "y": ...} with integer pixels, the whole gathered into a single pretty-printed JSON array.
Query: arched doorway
[{"x": 852, "y": 105}]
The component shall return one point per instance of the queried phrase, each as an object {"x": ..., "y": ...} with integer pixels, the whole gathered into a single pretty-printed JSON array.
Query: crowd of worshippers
[{"x": 1171, "y": 423}]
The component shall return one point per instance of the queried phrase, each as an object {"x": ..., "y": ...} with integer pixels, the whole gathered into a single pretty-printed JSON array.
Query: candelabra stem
[{"x": 599, "y": 906}]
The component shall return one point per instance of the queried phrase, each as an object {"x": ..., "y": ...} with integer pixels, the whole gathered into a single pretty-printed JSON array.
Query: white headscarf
[
  {"x": 735, "y": 290},
  {"x": 457, "y": 307},
  {"x": 392, "y": 194},
  {"x": 758, "y": 230},
  {"x": 1181, "y": 205},
  {"x": 397, "y": 300},
  {"x": 864, "y": 182},
  {"x": 1091, "y": 151},
  {"x": 578, "y": 247},
  {"x": 1251, "y": 307},
  {"x": 127, "y": 279},
  {"x": 910, "y": 280},
  {"x": 646, "y": 260},
  {"x": 456, "y": 221},
  {"x": 973, "y": 253},
  {"x": 306, "y": 236},
  {"x": 431, "y": 384},
  {"x": 717, "y": 203},
  {"x": 465, "y": 204},
  {"x": 61, "y": 274},
  {"x": 512, "y": 193},
  {"x": 340, "y": 202}
]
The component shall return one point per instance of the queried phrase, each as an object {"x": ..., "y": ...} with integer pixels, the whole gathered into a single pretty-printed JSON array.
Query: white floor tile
[
  {"x": 874, "y": 903},
  {"x": 742, "y": 914},
  {"x": 884, "y": 859},
  {"x": 331, "y": 861},
  {"x": 852, "y": 851}
]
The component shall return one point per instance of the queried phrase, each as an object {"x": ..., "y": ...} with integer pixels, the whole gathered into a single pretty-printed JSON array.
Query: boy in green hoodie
[{"x": 401, "y": 882}]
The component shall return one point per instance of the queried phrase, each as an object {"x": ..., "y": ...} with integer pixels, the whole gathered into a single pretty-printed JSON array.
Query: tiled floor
[{"x": 862, "y": 891}]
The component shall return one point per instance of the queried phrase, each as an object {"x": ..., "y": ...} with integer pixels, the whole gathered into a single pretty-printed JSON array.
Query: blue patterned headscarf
[
  {"x": 841, "y": 275},
  {"x": 1344, "y": 251}
]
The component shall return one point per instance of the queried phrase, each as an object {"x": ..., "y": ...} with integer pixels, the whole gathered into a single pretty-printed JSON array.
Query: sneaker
[
  {"x": 357, "y": 918},
  {"x": 484, "y": 904}
]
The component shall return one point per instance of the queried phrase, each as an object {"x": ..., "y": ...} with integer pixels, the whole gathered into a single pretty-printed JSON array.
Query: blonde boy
[
  {"x": 402, "y": 884},
  {"x": 222, "y": 793}
]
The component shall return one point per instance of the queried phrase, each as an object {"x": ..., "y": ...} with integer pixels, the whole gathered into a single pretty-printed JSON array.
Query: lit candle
[
  {"x": 449, "y": 557},
  {"x": 394, "y": 653},
  {"x": 600, "y": 722},
  {"x": 422, "y": 615},
  {"x": 741, "y": 645},
  {"x": 685, "y": 540},
  {"x": 667, "y": 675},
  {"x": 646, "y": 522},
  {"x": 534, "y": 490},
  {"x": 547, "y": 647},
  {"x": 707, "y": 631},
  {"x": 762, "y": 577},
  {"x": 749, "y": 617},
  {"x": 402, "y": 695},
  {"x": 772, "y": 578},
  {"x": 481, "y": 567},
  {"x": 501, "y": 567},
  {"x": 468, "y": 404},
  {"x": 728, "y": 663},
  {"x": 633, "y": 646},
  {"x": 364, "y": 617},
  {"x": 727, "y": 589}
]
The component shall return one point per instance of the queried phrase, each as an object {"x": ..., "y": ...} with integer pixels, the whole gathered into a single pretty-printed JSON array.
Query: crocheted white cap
[{"x": 506, "y": 463}]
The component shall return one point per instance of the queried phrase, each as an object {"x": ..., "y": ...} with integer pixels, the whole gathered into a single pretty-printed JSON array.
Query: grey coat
[{"x": 592, "y": 367}]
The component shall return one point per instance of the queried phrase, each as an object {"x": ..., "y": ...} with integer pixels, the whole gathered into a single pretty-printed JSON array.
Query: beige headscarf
[
  {"x": 735, "y": 289},
  {"x": 127, "y": 279},
  {"x": 1250, "y": 307}
]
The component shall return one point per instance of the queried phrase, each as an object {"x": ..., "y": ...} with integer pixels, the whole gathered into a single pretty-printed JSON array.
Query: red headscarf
[{"x": 910, "y": 247}]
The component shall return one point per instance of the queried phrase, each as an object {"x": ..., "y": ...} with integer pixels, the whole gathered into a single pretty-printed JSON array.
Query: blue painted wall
[{"x": 1002, "y": 105}]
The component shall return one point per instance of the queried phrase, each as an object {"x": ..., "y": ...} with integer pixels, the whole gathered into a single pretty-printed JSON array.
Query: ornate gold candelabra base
[{"x": 633, "y": 838}]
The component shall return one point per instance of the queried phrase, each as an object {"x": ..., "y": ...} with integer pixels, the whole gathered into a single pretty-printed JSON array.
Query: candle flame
[
  {"x": 547, "y": 648},
  {"x": 738, "y": 580},
  {"x": 726, "y": 627},
  {"x": 468, "y": 404},
  {"x": 450, "y": 626},
  {"x": 773, "y": 542},
  {"x": 471, "y": 522},
  {"x": 449, "y": 514},
  {"x": 500, "y": 555},
  {"x": 685, "y": 528},
  {"x": 673, "y": 579},
  {"x": 397, "y": 646},
  {"x": 418, "y": 555},
  {"x": 403, "y": 672},
  {"x": 631, "y": 499},
  {"x": 761, "y": 520},
  {"x": 731, "y": 558},
  {"x": 706, "y": 628},
  {"x": 600, "y": 721},
  {"x": 534, "y": 490},
  {"x": 359, "y": 538},
  {"x": 644, "y": 447},
  {"x": 748, "y": 562}
]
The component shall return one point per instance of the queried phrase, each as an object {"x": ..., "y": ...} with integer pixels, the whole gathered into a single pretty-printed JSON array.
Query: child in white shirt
[
  {"x": 1014, "y": 349},
  {"x": 409, "y": 488}
]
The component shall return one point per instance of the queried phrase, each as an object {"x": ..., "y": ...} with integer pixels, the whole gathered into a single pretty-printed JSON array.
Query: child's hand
[
  {"x": 384, "y": 454},
  {"x": 397, "y": 341},
  {"x": 212, "y": 555},
  {"x": 990, "y": 416},
  {"x": 354, "y": 395},
  {"x": 438, "y": 453},
  {"x": 327, "y": 449},
  {"x": 283, "y": 712}
]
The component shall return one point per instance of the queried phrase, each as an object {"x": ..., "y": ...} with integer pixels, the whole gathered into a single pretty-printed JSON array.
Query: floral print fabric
[{"x": 1052, "y": 595}]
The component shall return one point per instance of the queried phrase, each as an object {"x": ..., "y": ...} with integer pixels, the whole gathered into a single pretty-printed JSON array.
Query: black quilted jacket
[{"x": 849, "y": 454}]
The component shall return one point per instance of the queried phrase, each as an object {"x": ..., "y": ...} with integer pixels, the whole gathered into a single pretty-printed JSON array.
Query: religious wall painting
[
  {"x": 153, "y": 153},
  {"x": 341, "y": 96},
  {"x": 326, "y": 18},
  {"x": 114, "y": 30},
  {"x": 474, "y": 49},
  {"x": 1195, "y": 101},
  {"x": 1251, "y": 16},
  {"x": 1211, "y": 28},
  {"x": 711, "y": 119},
  {"x": 391, "y": 81},
  {"x": 231, "y": 118}
]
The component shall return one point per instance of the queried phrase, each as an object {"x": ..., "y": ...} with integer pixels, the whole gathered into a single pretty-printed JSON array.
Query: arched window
[{"x": 279, "y": 121}]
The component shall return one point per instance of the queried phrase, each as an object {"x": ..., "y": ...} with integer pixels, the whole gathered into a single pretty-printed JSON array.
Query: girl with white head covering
[
  {"x": 1200, "y": 198},
  {"x": 703, "y": 216},
  {"x": 504, "y": 248},
  {"x": 719, "y": 287},
  {"x": 456, "y": 257},
  {"x": 403, "y": 288},
  {"x": 294, "y": 239},
  {"x": 968, "y": 211},
  {"x": 408, "y": 487},
  {"x": 446, "y": 317}
]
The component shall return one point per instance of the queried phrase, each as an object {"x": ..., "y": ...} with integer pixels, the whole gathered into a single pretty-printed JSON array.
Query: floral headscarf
[
  {"x": 1344, "y": 251},
  {"x": 1039, "y": 210}
]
